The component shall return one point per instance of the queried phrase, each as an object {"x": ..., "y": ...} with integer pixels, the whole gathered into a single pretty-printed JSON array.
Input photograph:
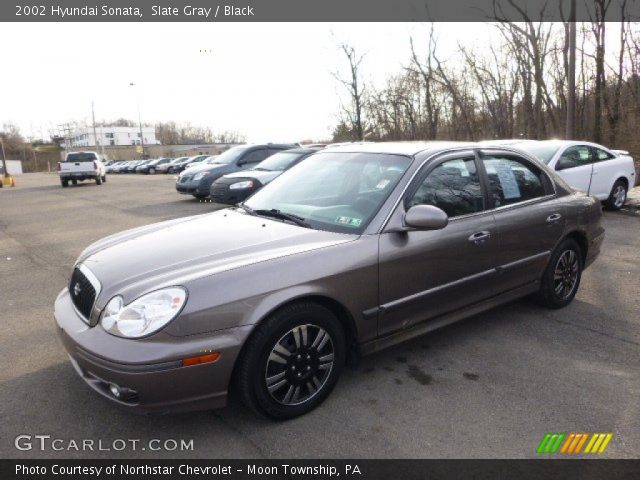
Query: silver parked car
[{"x": 355, "y": 249}]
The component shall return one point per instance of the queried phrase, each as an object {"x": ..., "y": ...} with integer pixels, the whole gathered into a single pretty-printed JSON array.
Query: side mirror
[
  {"x": 564, "y": 163},
  {"x": 426, "y": 217}
]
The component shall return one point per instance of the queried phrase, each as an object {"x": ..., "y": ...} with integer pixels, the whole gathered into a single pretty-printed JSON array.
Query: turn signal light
[{"x": 208, "y": 358}]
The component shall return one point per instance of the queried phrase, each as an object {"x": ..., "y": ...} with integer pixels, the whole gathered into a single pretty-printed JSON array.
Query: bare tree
[{"x": 355, "y": 86}]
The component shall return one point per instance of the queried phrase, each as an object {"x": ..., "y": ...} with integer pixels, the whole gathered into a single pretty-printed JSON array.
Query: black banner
[
  {"x": 305, "y": 10},
  {"x": 320, "y": 469}
]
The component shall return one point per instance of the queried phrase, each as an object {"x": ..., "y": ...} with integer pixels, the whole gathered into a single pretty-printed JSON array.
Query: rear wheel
[
  {"x": 618, "y": 196},
  {"x": 292, "y": 361},
  {"x": 74, "y": 182},
  {"x": 64, "y": 183},
  {"x": 561, "y": 279}
]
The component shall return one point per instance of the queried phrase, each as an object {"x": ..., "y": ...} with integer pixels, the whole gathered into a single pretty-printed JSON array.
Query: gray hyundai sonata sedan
[{"x": 357, "y": 248}]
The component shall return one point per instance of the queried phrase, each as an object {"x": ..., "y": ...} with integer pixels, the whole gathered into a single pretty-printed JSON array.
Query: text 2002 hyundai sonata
[{"x": 355, "y": 249}]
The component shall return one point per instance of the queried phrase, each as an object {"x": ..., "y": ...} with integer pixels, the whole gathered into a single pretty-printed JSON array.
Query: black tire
[
  {"x": 104, "y": 179},
  {"x": 199, "y": 196},
  {"x": 617, "y": 197},
  {"x": 64, "y": 183},
  {"x": 74, "y": 182},
  {"x": 98, "y": 180},
  {"x": 301, "y": 328},
  {"x": 561, "y": 279}
]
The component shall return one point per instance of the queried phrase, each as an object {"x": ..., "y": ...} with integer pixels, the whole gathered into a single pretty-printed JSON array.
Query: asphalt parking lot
[{"x": 490, "y": 386}]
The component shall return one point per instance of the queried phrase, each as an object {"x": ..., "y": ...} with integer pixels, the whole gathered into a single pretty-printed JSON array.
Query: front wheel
[
  {"x": 561, "y": 279},
  {"x": 152, "y": 171},
  {"x": 104, "y": 179},
  {"x": 98, "y": 180},
  {"x": 617, "y": 197},
  {"x": 292, "y": 361}
]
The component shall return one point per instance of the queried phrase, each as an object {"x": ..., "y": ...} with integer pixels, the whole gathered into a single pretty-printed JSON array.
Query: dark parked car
[
  {"x": 179, "y": 167},
  {"x": 355, "y": 249},
  {"x": 131, "y": 167},
  {"x": 168, "y": 167},
  {"x": 197, "y": 181},
  {"x": 151, "y": 167},
  {"x": 236, "y": 187}
]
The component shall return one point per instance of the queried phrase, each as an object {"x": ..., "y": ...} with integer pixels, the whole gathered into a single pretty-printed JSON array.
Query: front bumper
[
  {"x": 221, "y": 193},
  {"x": 150, "y": 370},
  {"x": 190, "y": 187}
]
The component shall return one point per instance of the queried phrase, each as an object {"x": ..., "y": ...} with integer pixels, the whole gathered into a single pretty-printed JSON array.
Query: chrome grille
[{"x": 83, "y": 293}]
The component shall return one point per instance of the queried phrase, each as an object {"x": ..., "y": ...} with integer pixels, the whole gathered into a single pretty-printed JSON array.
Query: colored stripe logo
[{"x": 573, "y": 443}]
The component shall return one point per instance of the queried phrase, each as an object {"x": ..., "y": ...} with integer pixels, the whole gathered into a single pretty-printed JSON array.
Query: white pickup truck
[{"x": 82, "y": 166}]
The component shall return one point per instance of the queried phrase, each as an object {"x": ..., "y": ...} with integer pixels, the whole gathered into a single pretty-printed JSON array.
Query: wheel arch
[
  {"x": 580, "y": 238},
  {"x": 343, "y": 314}
]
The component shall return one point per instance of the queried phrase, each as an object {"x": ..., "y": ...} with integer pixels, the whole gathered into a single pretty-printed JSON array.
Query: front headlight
[
  {"x": 241, "y": 185},
  {"x": 200, "y": 175},
  {"x": 145, "y": 315}
]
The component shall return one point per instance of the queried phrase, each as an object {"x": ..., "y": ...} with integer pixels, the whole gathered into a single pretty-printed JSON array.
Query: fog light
[{"x": 115, "y": 390}]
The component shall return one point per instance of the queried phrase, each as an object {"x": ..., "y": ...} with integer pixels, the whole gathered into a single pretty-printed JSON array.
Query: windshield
[
  {"x": 543, "y": 150},
  {"x": 81, "y": 157},
  {"x": 279, "y": 161},
  {"x": 211, "y": 159},
  {"x": 230, "y": 155},
  {"x": 338, "y": 192}
]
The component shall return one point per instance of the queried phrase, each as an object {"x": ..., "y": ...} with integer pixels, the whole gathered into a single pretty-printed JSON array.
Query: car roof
[
  {"x": 397, "y": 148},
  {"x": 302, "y": 150}
]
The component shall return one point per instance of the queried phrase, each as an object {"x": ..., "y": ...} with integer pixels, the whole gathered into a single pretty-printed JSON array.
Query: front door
[{"x": 424, "y": 274}]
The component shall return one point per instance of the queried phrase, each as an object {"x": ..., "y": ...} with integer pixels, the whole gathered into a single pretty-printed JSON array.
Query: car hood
[
  {"x": 201, "y": 168},
  {"x": 174, "y": 252},
  {"x": 262, "y": 176}
]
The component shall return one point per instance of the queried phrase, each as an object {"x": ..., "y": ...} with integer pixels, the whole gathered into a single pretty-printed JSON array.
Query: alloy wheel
[
  {"x": 299, "y": 364},
  {"x": 619, "y": 196},
  {"x": 565, "y": 276}
]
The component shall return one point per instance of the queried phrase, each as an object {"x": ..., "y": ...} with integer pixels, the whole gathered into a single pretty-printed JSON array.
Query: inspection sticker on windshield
[{"x": 352, "y": 222}]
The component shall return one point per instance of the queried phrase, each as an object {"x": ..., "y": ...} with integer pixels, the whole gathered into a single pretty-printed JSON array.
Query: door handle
[
  {"x": 554, "y": 217},
  {"x": 479, "y": 237}
]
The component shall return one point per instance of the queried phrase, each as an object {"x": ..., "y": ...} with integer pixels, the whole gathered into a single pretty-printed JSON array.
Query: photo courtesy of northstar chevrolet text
[{"x": 370, "y": 239}]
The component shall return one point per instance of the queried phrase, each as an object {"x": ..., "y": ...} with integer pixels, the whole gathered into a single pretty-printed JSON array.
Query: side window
[
  {"x": 255, "y": 156},
  {"x": 276, "y": 150},
  {"x": 602, "y": 155},
  {"x": 512, "y": 180},
  {"x": 453, "y": 186},
  {"x": 576, "y": 156}
]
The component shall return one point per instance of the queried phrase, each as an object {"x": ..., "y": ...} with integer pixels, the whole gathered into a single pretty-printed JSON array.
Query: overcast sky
[{"x": 271, "y": 82}]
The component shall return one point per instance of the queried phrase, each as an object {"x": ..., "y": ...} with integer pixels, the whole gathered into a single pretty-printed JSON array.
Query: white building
[{"x": 112, "y": 136}]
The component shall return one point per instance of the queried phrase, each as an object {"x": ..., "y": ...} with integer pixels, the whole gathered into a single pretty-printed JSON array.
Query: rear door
[
  {"x": 575, "y": 166},
  {"x": 529, "y": 217},
  {"x": 425, "y": 274}
]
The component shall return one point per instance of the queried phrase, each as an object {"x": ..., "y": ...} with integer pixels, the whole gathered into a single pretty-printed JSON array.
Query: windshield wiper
[
  {"x": 249, "y": 210},
  {"x": 275, "y": 213}
]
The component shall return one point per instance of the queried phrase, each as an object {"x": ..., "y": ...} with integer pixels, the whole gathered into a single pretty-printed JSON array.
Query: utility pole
[
  {"x": 570, "y": 132},
  {"x": 4, "y": 159},
  {"x": 93, "y": 118},
  {"x": 131, "y": 84}
]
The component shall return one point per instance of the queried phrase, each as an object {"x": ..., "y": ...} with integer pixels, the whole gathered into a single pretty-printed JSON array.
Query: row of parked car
[
  {"x": 236, "y": 174},
  {"x": 153, "y": 166}
]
